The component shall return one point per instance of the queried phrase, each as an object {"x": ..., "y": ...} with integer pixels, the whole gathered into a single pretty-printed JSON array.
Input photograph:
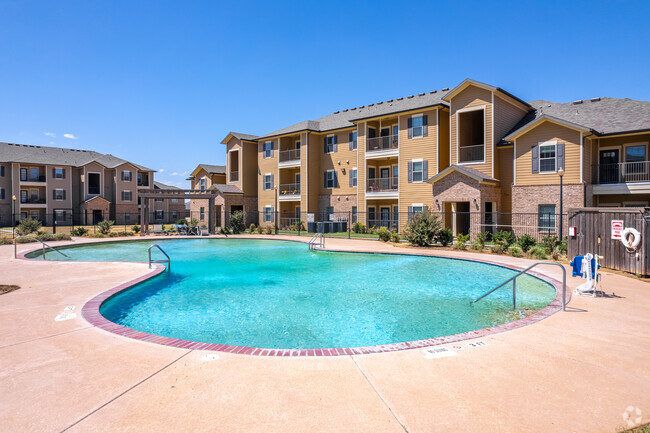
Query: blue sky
[{"x": 161, "y": 83}]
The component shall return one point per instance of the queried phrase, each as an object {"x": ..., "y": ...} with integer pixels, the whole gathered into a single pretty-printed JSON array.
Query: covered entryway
[{"x": 147, "y": 195}]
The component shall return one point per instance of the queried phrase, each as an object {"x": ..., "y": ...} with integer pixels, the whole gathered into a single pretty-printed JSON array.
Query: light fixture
[
  {"x": 560, "y": 172},
  {"x": 338, "y": 162}
]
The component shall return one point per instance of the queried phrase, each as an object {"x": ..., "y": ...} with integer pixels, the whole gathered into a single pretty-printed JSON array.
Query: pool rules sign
[{"x": 617, "y": 229}]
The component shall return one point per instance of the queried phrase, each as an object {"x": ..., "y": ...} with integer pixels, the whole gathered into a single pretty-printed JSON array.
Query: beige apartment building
[
  {"x": 70, "y": 186},
  {"x": 476, "y": 154}
]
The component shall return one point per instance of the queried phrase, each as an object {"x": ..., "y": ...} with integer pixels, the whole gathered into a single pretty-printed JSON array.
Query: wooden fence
[{"x": 594, "y": 235}]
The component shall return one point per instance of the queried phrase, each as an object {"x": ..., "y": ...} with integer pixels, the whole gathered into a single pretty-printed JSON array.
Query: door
[
  {"x": 98, "y": 216},
  {"x": 372, "y": 174},
  {"x": 384, "y": 174},
  {"x": 608, "y": 168},
  {"x": 462, "y": 217},
  {"x": 489, "y": 217},
  {"x": 384, "y": 216}
]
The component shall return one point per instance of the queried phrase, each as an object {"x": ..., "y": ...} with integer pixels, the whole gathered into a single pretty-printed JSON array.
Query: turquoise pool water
[{"x": 278, "y": 294}]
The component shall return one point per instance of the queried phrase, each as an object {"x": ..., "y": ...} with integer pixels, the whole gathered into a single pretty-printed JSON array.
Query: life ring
[{"x": 636, "y": 238}]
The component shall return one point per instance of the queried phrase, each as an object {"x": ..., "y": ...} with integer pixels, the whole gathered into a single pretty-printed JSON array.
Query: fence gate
[{"x": 593, "y": 234}]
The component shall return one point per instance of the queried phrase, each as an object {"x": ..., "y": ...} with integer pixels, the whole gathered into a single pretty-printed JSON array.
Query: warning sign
[{"x": 617, "y": 229}]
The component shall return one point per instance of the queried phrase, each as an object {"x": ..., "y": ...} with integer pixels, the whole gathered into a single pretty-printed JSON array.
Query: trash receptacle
[{"x": 311, "y": 227}]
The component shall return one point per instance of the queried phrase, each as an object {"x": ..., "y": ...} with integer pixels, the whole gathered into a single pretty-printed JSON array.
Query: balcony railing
[
  {"x": 388, "y": 142},
  {"x": 290, "y": 155},
  {"x": 622, "y": 172},
  {"x": 289, "y": 189},
  {"x": 32, "y": 200},
  {"x": 39, "y": 178},
  {"x": 234, "y": 176},
  {"x": 474, "y": 153},
  {"x": 386, "y": 184}
]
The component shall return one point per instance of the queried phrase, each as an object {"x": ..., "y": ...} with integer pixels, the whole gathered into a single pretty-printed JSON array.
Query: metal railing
[
  {"x": 473, "y": 153},
  {"x": 32, "y": 200},
  {"x": 622, "y": 172},
  {"x": 388, "y": 142},
  {"x": 234, "y": 176},
  {"x": 37, "y": 240},
  {"x": 166, "y": 260},
  {"x": 514, "y": 284},
  {"x": 39, "y": 178},
  {"x": 289, "y": 189},
  {"x": 381, "y": 184},
  {"x": 317, "y": 240},
  {"x": 289, "y": 155}
]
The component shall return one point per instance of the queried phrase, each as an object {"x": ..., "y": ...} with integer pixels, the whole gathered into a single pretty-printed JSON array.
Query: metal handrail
[
  {"x": 514, "y": 284},
  {"x": 37, "y": 240},
  {"x": 315, "y": 239},
  {"x": 168, "y": 260}
]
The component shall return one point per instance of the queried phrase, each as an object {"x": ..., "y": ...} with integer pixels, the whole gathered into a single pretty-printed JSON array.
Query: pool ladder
[
  {"x": 514, "y": 284},
  {"x": 317, "y": 240},
  {"x": 45, "y": 246},
  {"x": 165, "y": 260}
]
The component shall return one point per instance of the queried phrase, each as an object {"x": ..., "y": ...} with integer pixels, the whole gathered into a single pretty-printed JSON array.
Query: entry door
[
  {"x": 384, "y": 216},
  {"x": 608, "y": 170},
  {"x": 98, "y": 216}
]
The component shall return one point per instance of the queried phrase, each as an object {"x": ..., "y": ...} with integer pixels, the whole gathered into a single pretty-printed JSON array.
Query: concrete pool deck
[{"x": 573, "y": 371}]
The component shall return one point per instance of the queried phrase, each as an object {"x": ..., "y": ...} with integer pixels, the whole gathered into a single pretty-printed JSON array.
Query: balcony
[
  {"x": 385, "y": 144},
  {"x": 289, "y": 191},
  {"x": 32, "y": 200},
  {"x": 234, "y": 176},
  {"x": 382, "y": 188},
  {"x": 621, "y": 178},
  {"x": 289, "y": 157},
  {"x": 39, "y": 178},
  {"x": 469, "y": 154}
]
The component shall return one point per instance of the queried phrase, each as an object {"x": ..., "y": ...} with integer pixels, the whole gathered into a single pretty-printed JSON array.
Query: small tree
[
  {"x": 461, "y": 240},
  {"x": 237, "y": 222},
  {"x": 105, "y": 226},
  {"x": 422, "y": 228},
  {"x": 28, "y": 226},
  {"x": 444, "y": 237},
  {"x": 384, "y": 234},
  {"x": 194, "y": 223},
  {"x": 135, "y": 228},
  {"x": 526, "y": 242}
]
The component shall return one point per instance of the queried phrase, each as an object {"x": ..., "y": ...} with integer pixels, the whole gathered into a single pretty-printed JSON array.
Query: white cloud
[
  {"x": 161, "y": 170},
  {"x": 175, "y": 173},
  {"x": 51, "y": 142},
  {"x": 50, "y": 134},
  {"x": 70, "y": 136},
  {"x": 185, "y": 173}
]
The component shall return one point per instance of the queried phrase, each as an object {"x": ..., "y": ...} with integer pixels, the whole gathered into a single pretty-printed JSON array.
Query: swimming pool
[{"x": 278, "y": 294}]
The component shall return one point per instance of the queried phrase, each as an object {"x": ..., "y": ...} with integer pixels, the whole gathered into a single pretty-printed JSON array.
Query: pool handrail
[
  {"x": 38, "y": 240},
  {"x": 317, "y": 239},
  {"x": 167, "y": 260},
  {"x": 514, "y": 284}
]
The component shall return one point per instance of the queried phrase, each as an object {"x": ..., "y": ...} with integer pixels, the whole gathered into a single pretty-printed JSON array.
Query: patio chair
[{"x": 158, "y": 229}]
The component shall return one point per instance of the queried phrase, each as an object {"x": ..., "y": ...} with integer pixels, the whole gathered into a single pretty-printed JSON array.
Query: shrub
[
  {"x": 28, "y": 226},
  {"x": 562, "y": 246},
  {"x": 461, "y": 239},
  {"x": 549, "y": 243},
  {"x": 79, "y": 231},
  {"x": 25, "y": 240},
  {"x": 503, "y": 238},
  {"x": 237, "y": 222},
  {"x": 225, "y": 231},
  {"x": 444, "y": 237},
  {"x": 526, "y": 242},
  {"x": 538, "y": 252},
  {"x": 497, "y": 249},
  {"x": 477, "y": 246},
  {"x": 5, "y": 241},
  {"x": 135, "y": 228},
  {"x": 516, "y": 251},
  {"x": 96, "y": 235},
  {"x": 251, "y": 229},
  {"x": 371, "y": 230},
  {"x": 358, "y": 228},
  {"x": 395, "y": 237},
  {"x": 45, "y": 237},
  {"x": 556, "y": 254},
  {"x": 481, "y": 238},
  {"x": 193, "y": 222},
  {"x": 118, "y": 234},
  {"x": 384, "y": 234},
  {"x": 181, "y": 221},
  {"x": 260, "y": 229},
  {"x": 62, "y": 237},
  {"x": 268, "y": 230},
  {"x": 422, "y": 229},
  {"x": 105, "y": 226}
]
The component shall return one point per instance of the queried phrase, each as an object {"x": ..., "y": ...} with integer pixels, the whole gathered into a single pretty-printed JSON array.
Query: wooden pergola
[{"x": 148, "y": 194}]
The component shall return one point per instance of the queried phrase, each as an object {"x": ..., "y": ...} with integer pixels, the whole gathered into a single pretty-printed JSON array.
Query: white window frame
[
  {"x": 268, "y": 214},
  {"x": 413, "y": 117},
  {"x": 267, "y": 176},
  {"x": 330, "y": 144},
  {"x": 130, "y": 193},
  {"x": 266, "y": 153},
  {"x": 356, "y": 177},
  {"x": 203, "y": 183},
  {"x": 417, "y": 205},
  {"x": 552, "y": 227},
  {"x": 88, "y": 181},
  {"x": 355, "y": 140},
  {"x": 623, "y": 158},
  {"x": 421, "y": 171},
  {"x": 539, "y": 157},
  {"x": 56, "y": 197},
  {"x": 230, "y": 166},
  {"x": 58, "y": 212},
  {"x": 332, "y": 180},
  {"x": 130, "y": 179},
  {"x": 202, "y": 213},
  {"x": 457, "y": 120},
  {"x": 56, "y": 175}
]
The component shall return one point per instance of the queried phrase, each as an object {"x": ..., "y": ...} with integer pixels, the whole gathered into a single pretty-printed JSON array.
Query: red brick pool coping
[{"x": 90, "y": 313}]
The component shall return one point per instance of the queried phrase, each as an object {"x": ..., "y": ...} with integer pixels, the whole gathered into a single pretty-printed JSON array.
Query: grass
[
  {"x": 333, "y": 235},
  {"x": 6, "y": 288},
  {"x": 645, "y": 428}
]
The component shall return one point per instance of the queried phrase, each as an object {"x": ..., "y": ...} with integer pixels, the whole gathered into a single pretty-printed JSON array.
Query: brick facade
[{"x": 342, "y": 204}]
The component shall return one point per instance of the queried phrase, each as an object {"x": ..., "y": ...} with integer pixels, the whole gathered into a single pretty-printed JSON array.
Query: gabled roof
[
  {"x": 536, "y": 120},
  {"x": 239, "y": 136},
  {"x": 467, "y": 171},
  {"x": 95, "y": 198},
  {"x": 469, "y": 82},
  {"x": 226, "y": 189},
  {"x": 211, "y": 169},
  {"x": 347, "y": 118},
  {"x": 23, "y": 153},
  {"x": 603, "y": 116},
  {"x": 160, "y": 185}
]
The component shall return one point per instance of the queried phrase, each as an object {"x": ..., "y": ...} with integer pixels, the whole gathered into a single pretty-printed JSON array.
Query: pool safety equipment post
[
  {"x": 13, "y": 217},
  {"x": 560, "y": 173}
]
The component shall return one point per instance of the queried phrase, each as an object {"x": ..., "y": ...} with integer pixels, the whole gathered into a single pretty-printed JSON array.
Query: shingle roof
[
  {"x": 160, "y": 185},
  {"x": 11, "y": 152},
  {"x": 345, "y": 118},
  {"x": 213, "y": 169},
  {"x": 602, "y": 115},
  {"x": 468, "y": 171},
  {"x": 241, "y": 136},
  {"x": 227, "y": 189}
]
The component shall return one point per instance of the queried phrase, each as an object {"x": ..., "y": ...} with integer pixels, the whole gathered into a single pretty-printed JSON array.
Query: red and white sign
[{"x": 617, "y": 229}]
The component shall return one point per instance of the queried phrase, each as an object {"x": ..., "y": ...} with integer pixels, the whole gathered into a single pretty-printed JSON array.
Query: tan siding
[
  {"x": 266, "y": 165},
  {"x": 304, "y": 176},
  {"x": 473, "y": 96},
  {"x": 249, "y": 168},
  {"x": 342, "y": 160},
  {"x": 504, "y": 174},
  {"x": 443, "y": 140},
  {"x": 235, "y": 145},
  {"x": 361, "y": 173},
  {"x": 548, "y": 131},
  {"x": 121, "y": 185},
  {"x": 506, "y": 116},
  {"x": 315, "y": 175}
]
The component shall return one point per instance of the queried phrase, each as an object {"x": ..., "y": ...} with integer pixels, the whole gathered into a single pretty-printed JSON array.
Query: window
[
  {"x": 127, "y": 195},
  {"x": 330, "y": 144},
  {"x": 418, "y": 171},
  {"x": 126, "y": 176},
  {"x": 330, "y": 213},
  {"x": 268, "y": 182},
  {"x": 546, "y": 217},
  {"x": 268, "y": 149},
  {"x": 174, "y": 200},
  {"x": 547, "y": 158},
  {"x": 23, "y": 174},
  {"x": 2, "y": 171},
  {"x": 371, "y": 216},
  {"x": 143, "y": 179},
  {"x": 127, "y": 217},
  {"x": 353, "y": 140},
  {"x": 354, "y": 214},
  {"x": 58, "y": 173},
  {"x": 23, "y": 196},
  {"x": 59, "y": 215},
  {"x": 174, "y": 216},
  {"x": 395, "y": 175},
  {"x": 202, "y": 213},
  {"x": 353, "y": 177},
  {"x": 58, "y": 194},
  {"x": 2, "y": 193},
  {"x": 635, "y": 157},
  {"x": 159, "y": 214},
  {"x": 33, "y": 173},
  {"x": 298, "y": 213},
  {"x": 93, "y": 183},
  {"x": 418, "y": 130},
  {"x": 268, "y": 214},
  {"x": 330, "y": 179},
  {"x": 159, "y": 199}
]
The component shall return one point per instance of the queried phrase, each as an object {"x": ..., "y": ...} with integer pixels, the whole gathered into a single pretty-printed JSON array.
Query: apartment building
[
  {"x": 167, "y": 210},
  {"x": 64, "y": 186},
  {"x": 473, "y": 149}
]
